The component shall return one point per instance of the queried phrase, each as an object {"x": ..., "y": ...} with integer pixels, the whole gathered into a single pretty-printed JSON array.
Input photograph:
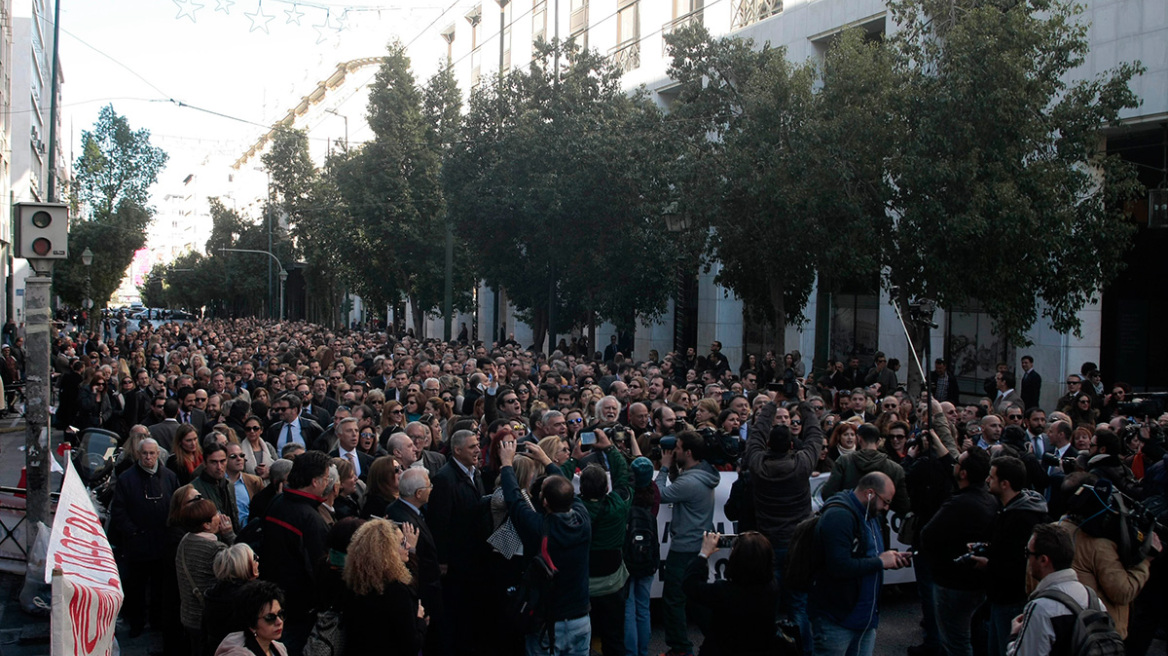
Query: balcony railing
[
  {"x": 748, "y": 12},
  {"x": 627, "y": 56},
  {"x": 692, "y": 18}
]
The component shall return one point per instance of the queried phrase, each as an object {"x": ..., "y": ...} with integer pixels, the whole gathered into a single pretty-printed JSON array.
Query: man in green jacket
[{"x": 609, "y": 512}]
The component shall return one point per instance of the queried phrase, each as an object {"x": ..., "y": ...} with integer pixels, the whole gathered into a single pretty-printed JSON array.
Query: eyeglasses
[
  {"x": 896, "y": 436},
  {"x": 396, "y": 411},
  {"x": 522, "y": 391},
  {"x": 817, "y": 408},
  {"x": 796, "y": 422},
  {"x": 252, "y": 429},
  {"x": 1074, "y": 382},
  {"x": 577, "y": 420},
  {"x": 1028, "y": 553},
  {"x": 887, "y": 502},
  {"x": 513, "y": 399},
  {"x": 271, "y": 618},
  {"x": 237, "y": 456}
]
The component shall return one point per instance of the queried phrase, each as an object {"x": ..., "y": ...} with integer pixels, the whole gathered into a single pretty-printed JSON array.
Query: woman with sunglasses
[
  {"x": 382, "y": 612},
  {"x": 367, "y": 443},
  {"x": 394, "y": 414},
  {"x": 384, "y": 475},
  {"x": 523, "y": 391},
  {"x": 260, "y": 454},
  {"x": 1082, "y": 411},
  {"x": 260, "y": 605}
]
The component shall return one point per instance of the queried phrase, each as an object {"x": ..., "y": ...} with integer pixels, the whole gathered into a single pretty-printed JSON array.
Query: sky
[{"x": 140, "y": 55}]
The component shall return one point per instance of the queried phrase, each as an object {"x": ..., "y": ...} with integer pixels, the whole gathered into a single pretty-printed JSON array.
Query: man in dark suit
[
  {"x": 1031, "y": 383},
  {"x": 321, "y": 400},
  {"x": 414, "y": 490},
  {"x": 164, "y": 431},
  {"x": 314, "y": 411},
  {"x": 348, "y": 432},
  {"x": 454, "y": 509},
  {"x": 942, "y": 383},
  {"x": 291, "y": 427},
  {"x": 187, "y": 412}
]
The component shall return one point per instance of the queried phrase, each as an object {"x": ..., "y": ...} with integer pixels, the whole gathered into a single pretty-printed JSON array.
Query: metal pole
[
  {"x": 283, "y": 285},
  {"x": 52, "y": 187},
  {"x": 37, "y": 449}
]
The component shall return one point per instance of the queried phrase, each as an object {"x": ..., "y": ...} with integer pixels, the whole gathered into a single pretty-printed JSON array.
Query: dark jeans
[
  {"x": 792, "y": 605},
  {"x": 608, "y": 622},
  {"x": 955, "y": 609},
  {"x": 1001, "y": 615},
  {"x": 673, "y": 601},
  {"x": 141, "y": 580},
  {"x": 922, "y": 565}
]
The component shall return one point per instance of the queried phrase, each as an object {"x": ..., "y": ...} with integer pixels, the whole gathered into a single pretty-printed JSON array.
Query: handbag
[{"x": 327, "y": 637}]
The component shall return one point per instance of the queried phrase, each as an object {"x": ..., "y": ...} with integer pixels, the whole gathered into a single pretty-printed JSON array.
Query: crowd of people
[{"x": 284, "y": 488}]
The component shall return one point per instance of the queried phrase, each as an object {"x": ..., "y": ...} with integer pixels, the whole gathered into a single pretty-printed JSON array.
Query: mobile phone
[
  {"x": 587, "y": 440},
  {"x": 727, "y": 541}
]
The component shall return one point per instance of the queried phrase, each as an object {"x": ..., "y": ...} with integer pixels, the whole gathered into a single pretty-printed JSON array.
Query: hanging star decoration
[
  {"x": 187, "y": 8},
  {"x": 294, "y": 15},
  {"x": 321, "y": 29},
  {"x": 340, "y": 22},
  {"x": 259, "y": 20},
  {"x": 224, "y": 6}
]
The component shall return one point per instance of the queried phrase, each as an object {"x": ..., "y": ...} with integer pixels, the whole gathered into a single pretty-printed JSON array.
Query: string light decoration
[
  {"x": 187, "y": 8},
  {"x": 294, "y": 15},
  {"x": 259, "y": 20}
]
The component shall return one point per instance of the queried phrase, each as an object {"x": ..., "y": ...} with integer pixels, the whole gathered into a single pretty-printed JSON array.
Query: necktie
[
  {"x": 287, "y": 434},
  {"x": 353, "y": 461},
  {"x": 478, "y": 481}
]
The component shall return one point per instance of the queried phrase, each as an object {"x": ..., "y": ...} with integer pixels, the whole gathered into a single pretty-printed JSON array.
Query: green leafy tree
[
  {"x": 557, "y": 183},
  {"x": 110, "y": 195},
  {"x": 762, "y": 154},
  {"x": 391, "y": 194},
  {"x": 1004, "y": 192}
]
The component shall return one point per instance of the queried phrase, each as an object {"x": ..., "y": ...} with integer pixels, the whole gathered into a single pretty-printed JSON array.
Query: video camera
[
  {"x": 1067, "y": 463},
  {"x": 1105, "y": 512}
]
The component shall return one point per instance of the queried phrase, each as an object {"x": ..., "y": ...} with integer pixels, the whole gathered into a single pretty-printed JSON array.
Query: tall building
[
  {"x": 1117, "y": 331},
  {"x": 31, "y": 46}
]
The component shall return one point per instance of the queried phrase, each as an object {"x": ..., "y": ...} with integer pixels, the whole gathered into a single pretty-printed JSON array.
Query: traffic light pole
[{"x": 37, "y": 445}]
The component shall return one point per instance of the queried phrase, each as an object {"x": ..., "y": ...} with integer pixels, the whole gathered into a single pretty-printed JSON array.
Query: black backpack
[
  {"x": 805, "y": 557},
  {"x": 642, "y": 550},
  {"x": 1093, "y": 632},
  {"x": 528, "y": 604}
]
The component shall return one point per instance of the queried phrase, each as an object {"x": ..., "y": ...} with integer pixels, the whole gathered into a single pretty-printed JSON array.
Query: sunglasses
[
  {"x": 271, "y": 618},
  {"x": 796, "y": 422},
  {"x": 253, "y": 429},
  {"x": 577, "y": 420},
  {"x": 237, "y": 456}
]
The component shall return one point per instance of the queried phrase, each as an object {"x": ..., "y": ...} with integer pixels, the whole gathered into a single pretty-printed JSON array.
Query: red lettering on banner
[
  {"x": 107, "y": 565},
  {"x": 84, "y": 548},
  {"x": 85, "y": 519}
]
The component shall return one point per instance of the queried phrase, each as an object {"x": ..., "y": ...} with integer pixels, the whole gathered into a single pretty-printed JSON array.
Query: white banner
[
  {"x": 87, "y": 591},
  {"x": 724, "y": 526}
]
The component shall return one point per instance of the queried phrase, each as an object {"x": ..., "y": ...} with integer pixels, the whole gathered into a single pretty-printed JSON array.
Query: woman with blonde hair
[
  {"x": 706, "y": 414},
  {"x": 382, "y": 612}
]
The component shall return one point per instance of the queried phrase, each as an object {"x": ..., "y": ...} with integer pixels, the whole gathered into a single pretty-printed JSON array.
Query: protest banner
[{"x": 87, "y": 591}]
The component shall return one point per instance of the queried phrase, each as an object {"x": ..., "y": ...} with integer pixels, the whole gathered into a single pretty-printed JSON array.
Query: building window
[
  {"x": 748, "y": 12},
  {"x": 578, "y": 23},
  {"x": 627, "y": 54},
  {"x": 539, "y": 21}
]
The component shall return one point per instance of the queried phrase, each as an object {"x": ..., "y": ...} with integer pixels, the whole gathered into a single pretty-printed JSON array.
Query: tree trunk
[
  {"x": 780, "y": 310},
  {"x": 538, "y": 329},
  {"x": 591, "y": 334},
  {"x": 419, "y": 318}
]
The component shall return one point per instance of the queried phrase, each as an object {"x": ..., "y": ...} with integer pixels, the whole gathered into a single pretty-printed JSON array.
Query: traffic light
[{"x": 42, "y": 231}]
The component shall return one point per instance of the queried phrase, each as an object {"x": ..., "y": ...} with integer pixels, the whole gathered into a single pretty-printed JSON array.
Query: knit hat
[{"x": 642, "y": 472}]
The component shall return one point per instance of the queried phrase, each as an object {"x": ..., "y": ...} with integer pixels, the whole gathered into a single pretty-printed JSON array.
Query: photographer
[
  {"x": 1005, "y": 560},
  {"x": 928, "y": 476},
  {"x": 741, "y": 621},
  {"x": 780, "y": 472},
  {"x": 962, "y": 520},
  {"x": 1098, "y": 560}
]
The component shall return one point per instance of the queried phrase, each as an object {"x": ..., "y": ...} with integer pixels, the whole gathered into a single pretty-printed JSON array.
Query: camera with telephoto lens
[
  {"x": 1068, "y": 464},
  {"x": 976, "y": 549}
]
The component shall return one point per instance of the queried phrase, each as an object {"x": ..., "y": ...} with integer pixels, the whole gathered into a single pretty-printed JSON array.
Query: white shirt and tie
[
  {"x": 290, "y": 433},
  {"x": 351, "y": 456}
]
